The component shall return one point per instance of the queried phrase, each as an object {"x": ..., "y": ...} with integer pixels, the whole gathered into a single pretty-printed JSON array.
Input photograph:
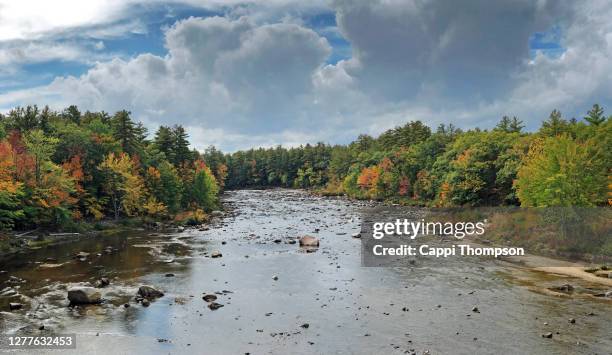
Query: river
[{"x": 280, "y": 299}]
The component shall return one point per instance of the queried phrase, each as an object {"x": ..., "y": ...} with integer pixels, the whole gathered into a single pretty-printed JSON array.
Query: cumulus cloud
[
  {"x": 218, "y": 74},
  {"x": 248, "y": 79}
]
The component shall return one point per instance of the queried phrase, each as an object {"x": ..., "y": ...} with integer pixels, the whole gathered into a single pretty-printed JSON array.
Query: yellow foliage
[{"x": 155, "y": 208}]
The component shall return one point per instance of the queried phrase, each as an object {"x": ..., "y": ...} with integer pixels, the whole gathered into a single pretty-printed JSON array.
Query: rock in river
[
  {"x": 15, "y": 306},
  {"x": 102, "y": 282},
  {"x": 149, "y": 292},
  {"x": 563, "y": 288},
  {"x": 84, "y": 295},
  {"x": 209, "y": 298},
  {"x": 308, "y": 241},
  {"x": 214, "y": 306},
  {"x": 216, "y": 254},
  {"x": 81, "y": 255}
]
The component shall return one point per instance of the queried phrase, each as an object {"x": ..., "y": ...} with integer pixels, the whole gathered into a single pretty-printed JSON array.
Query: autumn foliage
[{"x": 60, "y": 170}]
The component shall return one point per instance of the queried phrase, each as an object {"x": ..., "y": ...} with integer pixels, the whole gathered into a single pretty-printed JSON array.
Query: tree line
[
  {"x": 564, "y": 163},
  {"x": 58, "y": 168}
]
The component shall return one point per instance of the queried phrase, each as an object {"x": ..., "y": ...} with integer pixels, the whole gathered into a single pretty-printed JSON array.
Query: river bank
[{"x": 22, "y": 242}]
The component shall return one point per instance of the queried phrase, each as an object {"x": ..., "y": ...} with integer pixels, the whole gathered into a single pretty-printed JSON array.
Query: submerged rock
[
  {"x": 309, "y": 241},
  {"x": 149, "y": 292},
  {"x": 84, "y": 295}
]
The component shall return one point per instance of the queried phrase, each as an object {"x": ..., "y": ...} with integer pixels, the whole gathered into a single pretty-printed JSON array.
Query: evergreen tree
[
  {"x": 516, "y": 125},
  {"x": 125, "y": 131},
  {"x": 554, "y": 125},
  {"x": 180, "y": 148},
  {"x": 72, "y": 114},
  {"x": 164, "y": 142},
  {"x": 595, "y": 116}
]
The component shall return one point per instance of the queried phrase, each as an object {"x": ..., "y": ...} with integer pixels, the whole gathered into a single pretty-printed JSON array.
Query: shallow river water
[{"x": 347, "y": 308}]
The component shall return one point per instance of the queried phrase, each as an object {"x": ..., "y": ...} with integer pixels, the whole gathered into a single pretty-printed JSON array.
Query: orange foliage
[
  {"x": 369, "y": 177},
  {"x": 8, "y": 182},
  {"x": 153, "y": 173},
  {"x": 444, "y": 194}
]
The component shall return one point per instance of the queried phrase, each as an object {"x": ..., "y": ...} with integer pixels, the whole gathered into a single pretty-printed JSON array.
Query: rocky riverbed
[{"x": 245, "y": 285}]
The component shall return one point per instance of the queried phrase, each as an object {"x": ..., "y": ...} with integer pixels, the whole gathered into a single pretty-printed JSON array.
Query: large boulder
[
  {"x": 308, "y": 241},
  {"x": 84, "y": 295},
  {"x": 149, "y": 292}
]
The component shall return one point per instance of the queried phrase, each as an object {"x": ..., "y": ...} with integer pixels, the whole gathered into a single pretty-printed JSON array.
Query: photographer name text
[{"x": 448, "y": 251}]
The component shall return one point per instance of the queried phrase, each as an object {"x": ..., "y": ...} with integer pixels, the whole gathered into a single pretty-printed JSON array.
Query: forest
[
  {"x": 60, "y": 168},
  {"x": 565, "y": 163}
]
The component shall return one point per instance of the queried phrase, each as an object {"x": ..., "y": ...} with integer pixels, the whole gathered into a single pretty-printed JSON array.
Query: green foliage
[
  {"x": 126, "y": 132},
  {"x": 204, "y": 189},
  {"x": 174, "y": 144},
  {"x": 555, "y": 125},
  {"x": 508, "y": 125},
  {"x": 595, "y": 116},
  {"x": 561, "y": 171},
  {"x": 41, "y": 147},
  {"x": 60, "y": 168},
  {"x": 170, "y": 188},
  {"x": 10, "y": 208}
]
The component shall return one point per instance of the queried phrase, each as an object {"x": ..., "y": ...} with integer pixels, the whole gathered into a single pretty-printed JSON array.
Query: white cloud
[
  {"x": 218, "y": 74},
  {"x": 27, "y": 19},
  {"x": 37, "y": 52},
  {"x": 239, "y": 81}
]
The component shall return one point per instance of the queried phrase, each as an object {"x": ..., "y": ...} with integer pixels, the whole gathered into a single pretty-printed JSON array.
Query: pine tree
[
  {"x": 125, "y": 131},
  {"x": 554, "y": 125},
  {"x": 164, "y": 142},
  {"x": 180, "y": 149},
  {"x": 72, "y": 114},
  {"x": 504, "y": 124},
  {"x": 516, "y": 125},
  {"x": 595, "y": 116}
]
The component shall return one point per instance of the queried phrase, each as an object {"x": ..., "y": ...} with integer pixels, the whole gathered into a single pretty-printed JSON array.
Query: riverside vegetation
[{"x": 59, "y": 168}]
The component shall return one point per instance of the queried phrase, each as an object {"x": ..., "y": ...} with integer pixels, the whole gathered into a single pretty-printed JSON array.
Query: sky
[{"x": 242, "y": 74}]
